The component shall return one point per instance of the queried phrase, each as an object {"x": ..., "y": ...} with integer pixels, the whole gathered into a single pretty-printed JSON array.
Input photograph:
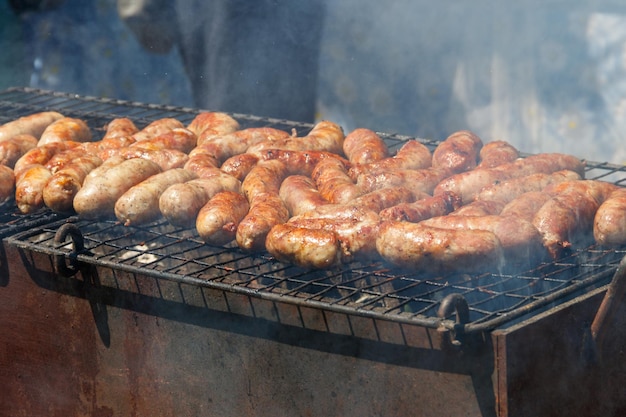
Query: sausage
[
  {"x": 33, "y": 124},
  {"x": 417, "y": 180},
  {"x": 458, "y": 152},
  {"x": 497, "y": 153},
  {"x": 609, "y": 224},
  {"x": 423, "y": 209},
  {"x": 415, "y": 246},
  {"x": 180, "y": 203},
  {"x": 364, "y": 146},
  {"x": 266, "y": 211},
  {"x": 29, "y": 188},
  {"x": 7, "y": 184},
  {"x": 222, "y": 147},
  {"x": 14, "y": 148},
  {"x": 156, "y": 128},
  {"x": 325, "y": 136},
  {"x": 519, "y": 239},
  {"x": 40, "y": 156},
  {"x": 300, "y": 194},
  {"x": 298, "y": 162},
  {"x": 526, "y": 205},
  {"x": 219, "y": 218},
  {"x": 331, "y": 178},
  {"x": 179, "y": 139},
  {"x": 140, "y": 204},
  {"x": 216, "y": 123},
  {"x": 97, "y": 198},
  {"x": 479, "y": 208},
  {"x": 239, "y": 166},
  {"x": 61, "y": 188},
  {"x": 386, "y": 197},
  {"x": 570, "y": 212},
  {"x": 412, "y": 155},
  {"x": 468, "y": 184},
  {"x": 507, "y": 190},
  {"x": 308, "y": 248},
  {"x": 63, "y": 158},
  {"x": 264, "y": 178},
  {"x": 119, "y": 128},
  {"x": 165, "y": 158},
  {"x": 65, "y": 129}
]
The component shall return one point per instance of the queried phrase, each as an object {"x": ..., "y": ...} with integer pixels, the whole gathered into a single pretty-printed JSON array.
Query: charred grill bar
[{"x": 146, "y": 318}]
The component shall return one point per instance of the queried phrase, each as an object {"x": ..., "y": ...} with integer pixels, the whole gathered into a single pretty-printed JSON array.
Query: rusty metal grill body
[{"x": 158, "y": 268}]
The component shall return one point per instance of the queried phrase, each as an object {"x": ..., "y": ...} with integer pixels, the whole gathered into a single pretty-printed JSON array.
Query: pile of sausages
[{"x": 318, "y": 200}]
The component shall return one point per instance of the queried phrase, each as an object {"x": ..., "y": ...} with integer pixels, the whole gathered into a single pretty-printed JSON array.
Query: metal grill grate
[{"x": 163, "y": 251}]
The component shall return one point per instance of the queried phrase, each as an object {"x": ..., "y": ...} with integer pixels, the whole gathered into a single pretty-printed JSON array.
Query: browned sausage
[
  {"x": 479, "y": 208},
  {"x": 331, "y": 178},
  {"x": 165, "y": 158},
  {"x": 7, "y": 184},
  {"x": 14, "y": 148},
  {"x": 118, "y": 128},
  {"x": 222, "y": 147},
  {"x": 458, "y": 152},
  {"x": 140, "y": 204},
  {"x": 33, "y": 124},
  {"x": 180, "y": 203},
  {"x": 264, "y": 178},
  {"x": 609, "y": 225},
  {"x": 29, "y": 188},
  {"x": 40, "y": 156},
  {"x": 98, "y": 195},
  {"x": 468, "y": 184},
  {"x": 417, "y": 180},
  {"x": 65, "y": 129},
  {"x": 526, "y": 205},
  {"x": 219, "y": 218},
  {"x": 300, "y": 194},
  {"x": 325, "y": 136},
  {"x": 298, "y": 162},
  {"x": 156, "y": 128},
  {"x": 507, "y": 190},
  {"x": 570, "y": 213},
  {"x": 364, "y": 146},
  {"x": 240, "y": 165},
  {"x": 215, "y": 122},
  {"x": 266, "y": 211},
  {"x": 179, "y": 139},
  {"x": 412, "y": 155},
  {"x": 423, "y": 209},
  {"x": 418, "y": 247},
  {"x": 497, "y": 153},
  {"x": 61, "y": 188},
  {"x": 308, "y": 248}
]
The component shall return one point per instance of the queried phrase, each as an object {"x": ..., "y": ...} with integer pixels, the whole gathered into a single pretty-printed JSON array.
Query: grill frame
[{"x": 97, "y": 111}]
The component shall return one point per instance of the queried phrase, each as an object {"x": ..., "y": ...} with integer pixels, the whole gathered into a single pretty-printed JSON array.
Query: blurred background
[{"x": 546, "y": 76}]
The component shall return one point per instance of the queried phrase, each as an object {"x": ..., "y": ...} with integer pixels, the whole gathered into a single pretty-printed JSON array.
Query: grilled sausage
[
  {"x": 609, "y": 224},
  {"x": 266, "y": 211},
  {"x": 423, "y": 209},
  {"x": 417, "y": 180},
  {"x": 519, "y": 239},
  {"x": 412, "y": 155},
  {"x": 97, "y": 198},
  {"x": 33, "y": 124},
  {"x": 507, "y": 190},
  {"x": 40, "y": 156},
  {"x": 416, "y": 246},
  {"x": 179, "y": 139},
  {"x": 497, "y": 153},
  {"x": 526, "y": 205},
  {"x": 222, "y": 147},
  {"x": 156, "y": 128},
  {"x": 61, "y": 188},
  {"x": 240, "y": 165},
  {"x": 468, "y": 184},
  {"x": 140, "y": 204},
  {"x": 65, "y": 129},
  {"x": 29, "y": 188},
  {"x": 219, "y": 218},
  {"x": 264, "y": 178},
  {"x": 570, "y": 212},
  {"x": 118, "y": 128},
  {"x": 458, "y": 152},
  {"x": 180, "y": 203},
  {"x": 298, "y": 162},
  {"x": 214, "y": 122},
  {"x": 14, "y": 148},
  {"x": 479, "y": 208},
  {"x": 364, "y": 146},
  {"x": 7, "y": 184},
  {"x": 325, "y": 136},
  {"x": 308, "y": 248},
  {"x": 165, "y": 158},
  {"x": 332, "y": 180},
  {"x": 300, "y": 194}
]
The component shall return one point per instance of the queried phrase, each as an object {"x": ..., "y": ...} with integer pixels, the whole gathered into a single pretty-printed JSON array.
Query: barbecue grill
[{"x": 104, "y": 319}]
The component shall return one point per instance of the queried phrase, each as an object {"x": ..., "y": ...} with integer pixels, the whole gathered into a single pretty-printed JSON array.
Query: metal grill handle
[{"x": 78, "y": 245}]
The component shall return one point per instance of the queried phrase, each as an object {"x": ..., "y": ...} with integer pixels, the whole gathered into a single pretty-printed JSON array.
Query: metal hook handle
[
  {"x": 78, "y": 245},
  {"x": 455, "y": 303}
]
